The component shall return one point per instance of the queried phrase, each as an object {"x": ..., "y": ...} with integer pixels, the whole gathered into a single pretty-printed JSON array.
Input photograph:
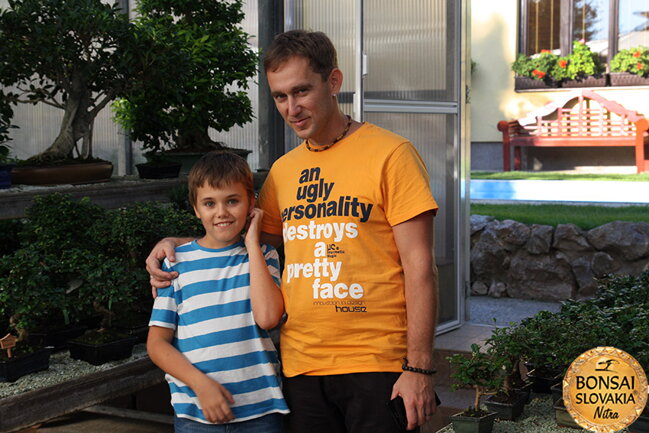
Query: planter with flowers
[
  {"x": 533, "y": 72},
  {"x": 630, "y": 67},
  {"x": 582, "y": 68}
]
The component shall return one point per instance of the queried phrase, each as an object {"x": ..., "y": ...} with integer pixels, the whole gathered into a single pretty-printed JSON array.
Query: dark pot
[
  {"x": 562, "y": 417},
  {"x": 471, "y": 424},
  {"x": 97, "y": 354},
  {"x": 507, "y": 410},
  {"x": 589, "y": 81},
  {"x": 527, "y": 83},
  {"x": 557, "y": 392},
  {"x": 90, "y": 172},
  {"x": 542, "y": 381},
  {"x": 20, "y": 366},
  {"x": 641, "y": 425},
  {"x": 158, "y": 170},
  {"x": 619, "y": 79},
  {"x": 5, "y": 175},
  {"x": 56, "y": 338},
  {"x": 526, "y": 390}
]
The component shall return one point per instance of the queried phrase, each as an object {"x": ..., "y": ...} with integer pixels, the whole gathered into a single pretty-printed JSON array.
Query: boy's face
[
  {"x": 304, "y": 100},
  {"x": 223, "y": 212}
]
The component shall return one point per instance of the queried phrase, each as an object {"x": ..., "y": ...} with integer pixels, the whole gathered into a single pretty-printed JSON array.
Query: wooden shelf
[{"x": 33, "y": 407}]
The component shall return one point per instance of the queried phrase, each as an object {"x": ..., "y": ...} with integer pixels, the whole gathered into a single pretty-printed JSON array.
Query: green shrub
[{"x": 633, "y": 60}]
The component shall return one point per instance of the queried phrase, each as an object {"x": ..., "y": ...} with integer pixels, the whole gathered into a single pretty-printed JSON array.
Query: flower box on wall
[
  {"x": 527, "y": 83},
  {"x": 587, "y": 81},
  {"x": 619, "y": 79}
]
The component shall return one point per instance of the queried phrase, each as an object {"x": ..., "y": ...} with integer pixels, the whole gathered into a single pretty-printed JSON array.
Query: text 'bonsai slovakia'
[
  {"x": 197, "y": 78},
  {"x": 68, "y": 54}
]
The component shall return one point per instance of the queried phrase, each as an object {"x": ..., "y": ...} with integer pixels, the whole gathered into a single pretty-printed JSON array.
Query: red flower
[
  {"x": 538, "y": 73},
  {"x": 545, "y": 51},
  {"x": 640, "y": 66},
  {"x": 637, "y": 54},
  {"x": 563, "y": 63}
]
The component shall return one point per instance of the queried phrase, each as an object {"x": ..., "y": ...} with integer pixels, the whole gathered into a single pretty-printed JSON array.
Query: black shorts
[{"x": 343, "y": 403}]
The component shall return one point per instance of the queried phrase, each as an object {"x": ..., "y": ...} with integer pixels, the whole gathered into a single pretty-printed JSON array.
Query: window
[{"x": 605, "y": 25}]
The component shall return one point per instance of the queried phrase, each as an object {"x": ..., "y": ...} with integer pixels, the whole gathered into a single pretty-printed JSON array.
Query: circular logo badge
[{"x": 605, "y": 390}]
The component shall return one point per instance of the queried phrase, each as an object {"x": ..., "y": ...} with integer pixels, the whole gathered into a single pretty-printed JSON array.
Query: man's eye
[{"x": 280, "y": 97}]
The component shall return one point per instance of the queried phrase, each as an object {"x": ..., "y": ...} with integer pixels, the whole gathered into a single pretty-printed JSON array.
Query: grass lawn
[
  {"x": 586, "y": 217},
  {"x": 556, "y": 175}
]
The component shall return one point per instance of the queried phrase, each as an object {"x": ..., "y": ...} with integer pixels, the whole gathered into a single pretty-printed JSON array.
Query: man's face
[{"x": 304, "y": 100}]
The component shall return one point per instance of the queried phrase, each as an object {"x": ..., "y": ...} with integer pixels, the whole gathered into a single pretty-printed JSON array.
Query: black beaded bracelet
[{"x": 406, "y": 367}]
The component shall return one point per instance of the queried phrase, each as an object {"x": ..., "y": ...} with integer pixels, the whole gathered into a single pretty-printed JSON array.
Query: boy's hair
[
  {"x": 219, "y": 168},
  {"x": 316, "y": 47}
]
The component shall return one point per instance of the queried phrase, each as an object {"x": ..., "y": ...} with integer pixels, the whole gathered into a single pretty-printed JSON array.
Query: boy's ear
[
  {"x": 252, "y": 204},
  {"x": 196, "y": 212}
]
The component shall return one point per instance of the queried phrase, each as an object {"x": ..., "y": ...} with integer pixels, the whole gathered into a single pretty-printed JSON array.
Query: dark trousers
[{"x": 343, "y": 403}]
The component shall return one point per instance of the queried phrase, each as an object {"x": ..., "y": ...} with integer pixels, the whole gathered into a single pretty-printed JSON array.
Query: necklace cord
[{"x": 336, "y": 140}]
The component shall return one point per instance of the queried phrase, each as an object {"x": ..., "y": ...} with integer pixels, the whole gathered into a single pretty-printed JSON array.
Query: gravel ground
[
  {"x": 62, "y": 368},
  {"x": 538, "y": 417}
]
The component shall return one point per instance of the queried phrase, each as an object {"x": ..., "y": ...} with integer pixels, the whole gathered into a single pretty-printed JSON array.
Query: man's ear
[{"x": 335, "y": 81}]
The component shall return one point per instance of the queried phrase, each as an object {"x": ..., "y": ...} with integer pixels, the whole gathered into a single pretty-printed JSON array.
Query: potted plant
[
  {"x": 482, "y": 372},
  {"x": 630, "y": 67},
  {"x": 582, "y": 68},
  {"x": 68, "y": 54},
  {"x": 23, "y": 303},
  {"x": 204, "y": 49},
  {"x": 506, "y": 345},
  {"x": 534, "y": 72}
]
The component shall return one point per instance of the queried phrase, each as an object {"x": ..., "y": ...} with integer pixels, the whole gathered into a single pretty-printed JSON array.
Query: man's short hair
[
  {"x": 316, "y": 47},
  {"x": 218, "y": 169}
]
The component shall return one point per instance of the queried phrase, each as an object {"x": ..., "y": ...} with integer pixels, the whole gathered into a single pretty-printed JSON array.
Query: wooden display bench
[{"x": 33, "y": 407}]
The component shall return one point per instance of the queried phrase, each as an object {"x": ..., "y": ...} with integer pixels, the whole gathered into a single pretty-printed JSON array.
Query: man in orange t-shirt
[{"x": 352, "y": 206}]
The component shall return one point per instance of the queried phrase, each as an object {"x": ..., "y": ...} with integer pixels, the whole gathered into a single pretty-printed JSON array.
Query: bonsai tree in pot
[
  {"x": 69, "y": 54},
  {"x": 197, "y": 79},
  {"x": 483, "y": 372}
]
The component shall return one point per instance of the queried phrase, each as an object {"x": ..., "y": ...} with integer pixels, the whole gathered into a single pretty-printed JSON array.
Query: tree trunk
[
  {"x": 196, "y": 141},
  {"x": 76, "y": 124}
]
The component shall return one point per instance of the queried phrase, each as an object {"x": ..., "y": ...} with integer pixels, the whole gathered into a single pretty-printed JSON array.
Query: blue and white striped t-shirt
[{"x": 208, "y": 305}]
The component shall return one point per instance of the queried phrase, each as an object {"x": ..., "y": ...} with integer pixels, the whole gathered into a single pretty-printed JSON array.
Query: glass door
[{"x": 403, "y": 69}]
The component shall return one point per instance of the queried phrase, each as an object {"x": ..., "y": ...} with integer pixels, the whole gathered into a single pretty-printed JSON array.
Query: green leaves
[{"x": 634, "y": 60}]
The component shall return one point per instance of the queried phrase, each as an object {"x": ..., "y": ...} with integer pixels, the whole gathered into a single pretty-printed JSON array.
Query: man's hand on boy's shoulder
[{"x": 166, "y": 248}]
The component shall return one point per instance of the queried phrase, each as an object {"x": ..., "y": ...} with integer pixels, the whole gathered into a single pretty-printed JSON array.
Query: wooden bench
[{"x": 585, "y": 119}]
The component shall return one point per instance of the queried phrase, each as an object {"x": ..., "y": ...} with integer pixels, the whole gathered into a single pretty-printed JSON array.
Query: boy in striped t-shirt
[{"x": 208, "y": 329}]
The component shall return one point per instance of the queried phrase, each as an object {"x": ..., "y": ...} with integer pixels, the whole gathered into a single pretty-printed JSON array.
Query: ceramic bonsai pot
[
  {"x": 641, "y": 425},
  {"x": 471, "y": 424},
  {"x": 507, "y": 408},
  {"x": 158, "y": 170},
  {"x": 5, "y": 175},
  {"x": 89, "y": 172},
  {"x": 97, "y": 354},
  {"x": 57, "y": 339},
  {"x": 562, "y": 417},
  {"x": 21, "y": 365},
  {"x": 542, "y": 381}
]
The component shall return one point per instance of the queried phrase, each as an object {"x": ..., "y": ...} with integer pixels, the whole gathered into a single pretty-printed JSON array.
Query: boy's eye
[
  {"x": 233, "y": 201},
  {"x": 208, "y": 203}
]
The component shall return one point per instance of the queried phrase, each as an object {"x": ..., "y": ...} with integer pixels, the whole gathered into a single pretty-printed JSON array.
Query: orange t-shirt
[{"x": 343, "y": 282}]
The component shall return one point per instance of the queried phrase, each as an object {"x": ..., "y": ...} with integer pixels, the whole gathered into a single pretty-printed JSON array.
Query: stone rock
[
  {"x": 603, "y": 264},
  {"x": 569, "y": 238},
  {"x": 544, "y": 277},
  {"x": 584, "y": 276},
  {"x": 512, "y": 234},
  {"x": 497, "y": 289},
  {"x": 540, "y": 239},
  {"x": 488, "y": 256},
  {"x": 479, "y": 222},
  {"x": 479, "y": 288},
  {"x": 629, "y": 240}
]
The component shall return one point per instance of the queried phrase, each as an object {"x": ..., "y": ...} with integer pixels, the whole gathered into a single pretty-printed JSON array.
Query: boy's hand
[
  {"x": 159, "y": 278},
  {"x": 253, "y": 233},
  {"x": 215, "y": 401}
]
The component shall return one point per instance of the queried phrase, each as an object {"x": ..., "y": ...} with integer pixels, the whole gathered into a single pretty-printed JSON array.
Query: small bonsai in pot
[
  {"x": 202, "y": 46},
  {"x": 506, "y": 344},
  {"x": 483, "y": 372}
]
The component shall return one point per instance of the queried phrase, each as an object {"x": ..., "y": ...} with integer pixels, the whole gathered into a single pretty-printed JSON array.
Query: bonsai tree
[
  {"x": 195, "y": 81},
  {"x": 68, "y": 54},
  {"x": 507, "y": 344},
  {"x": 481, "y": 370}
]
